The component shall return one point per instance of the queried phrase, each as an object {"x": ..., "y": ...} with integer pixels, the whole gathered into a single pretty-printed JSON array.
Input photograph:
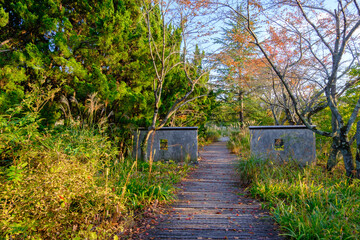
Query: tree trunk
[
  {"x": 144, "y": 146},
  {"x": 274, "y": 114},
  {"x": 332, "y": 160},
  {"x": 357, "y": 136},
  {"x": 241, "y": 113},
  {"x": 348, "y": 159},
  {"x": 347, "y": 155},
  {"x": 288, "y": 116}
]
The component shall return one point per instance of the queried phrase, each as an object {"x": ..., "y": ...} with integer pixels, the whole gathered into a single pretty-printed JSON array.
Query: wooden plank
[
  {"x": 215, "y": 234},
  {"x": 208, "y": 205}
]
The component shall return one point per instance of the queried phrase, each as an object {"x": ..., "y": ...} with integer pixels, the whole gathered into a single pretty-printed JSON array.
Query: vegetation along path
[{"x": 210, "y": 205}]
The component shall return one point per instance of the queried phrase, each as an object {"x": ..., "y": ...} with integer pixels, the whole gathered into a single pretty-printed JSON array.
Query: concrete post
[
  {"x": 169, "y": 143},
  {"x": 283, "y": 143}
]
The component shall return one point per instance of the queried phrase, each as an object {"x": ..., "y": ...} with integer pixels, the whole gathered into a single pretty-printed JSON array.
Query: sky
[{"x": 215, "y": 22}]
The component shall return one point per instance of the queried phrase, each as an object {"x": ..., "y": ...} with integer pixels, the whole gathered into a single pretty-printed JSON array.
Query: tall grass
[
  {"x": 211, "y": 134},
  {"x": 308, "y": 203},
  {"x": 71, "y": 182},
  {"x": 239, "y": 139},
  {"x": 68, "y": 185}
]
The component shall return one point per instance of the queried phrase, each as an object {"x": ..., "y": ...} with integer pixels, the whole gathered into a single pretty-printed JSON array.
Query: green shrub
[
  {"x": 308, "y": 203},
  {"x": 70, "y": 183},
  {"x": 52, "y": 188},
  {"x": 211, "y": 134},
  {"x": 239, "y": 140}
]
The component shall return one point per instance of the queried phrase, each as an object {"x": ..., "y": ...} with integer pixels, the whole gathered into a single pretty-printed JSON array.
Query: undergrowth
[
  {"x": 308, "y": 203},
  {"x": 70, "y": 182},
  {"x": 239, "y": 139},
  {"x": 211, "y": 134}
]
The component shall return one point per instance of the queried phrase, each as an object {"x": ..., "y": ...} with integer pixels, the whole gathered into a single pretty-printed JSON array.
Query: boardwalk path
[{"x": 210, "y": 207}]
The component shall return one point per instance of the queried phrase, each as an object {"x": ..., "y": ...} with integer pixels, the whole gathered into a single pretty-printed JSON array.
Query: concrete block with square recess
[
  {"x": 170, "y": 143},
  {"x": 283, "y": 143}
]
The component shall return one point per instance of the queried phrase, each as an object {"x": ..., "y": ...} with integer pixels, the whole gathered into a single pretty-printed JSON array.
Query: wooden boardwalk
[{"x": 210, "y": 205}]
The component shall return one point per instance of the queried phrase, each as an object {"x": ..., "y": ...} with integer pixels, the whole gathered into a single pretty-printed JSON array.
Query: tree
[
  {"x": 166, "y": 57},
  {"x": 195, "y": 113},
  {"x": 246, "y": 72},
  {"x": 239, "y": 66},
  {"x": 81, "y": 47},
  {"x": 329, "y": 37}
]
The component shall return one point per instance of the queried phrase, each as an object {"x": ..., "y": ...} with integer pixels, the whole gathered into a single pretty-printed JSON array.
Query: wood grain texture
[{"x": 211, "y": 205}]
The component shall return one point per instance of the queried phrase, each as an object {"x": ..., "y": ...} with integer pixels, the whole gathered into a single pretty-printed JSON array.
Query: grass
[
  {"x": 72, "y": 182},
  {"x": 308, "y": 203},
  {"x": 239, "y": 139},
  {"x": 70, "y": 185},
  {"x": 209, "y": 134}
]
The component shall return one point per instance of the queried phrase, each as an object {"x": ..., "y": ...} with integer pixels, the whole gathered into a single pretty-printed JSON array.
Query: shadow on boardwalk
[{"x": 210, "y": 205}]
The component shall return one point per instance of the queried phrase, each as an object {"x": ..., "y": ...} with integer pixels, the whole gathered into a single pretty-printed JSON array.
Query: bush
[
  {"x": 211, "y": 134},
  {"x": 52, "y": 190},
  {"x": 239, "y": 140},
  {"x": 70, "y": 182},
  {"x": 308, "y": 203}
]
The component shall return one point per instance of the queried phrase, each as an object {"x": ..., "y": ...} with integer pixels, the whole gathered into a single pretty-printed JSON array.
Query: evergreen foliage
[
  {"x": 83, "y": 47},
  {"x": 76, "y": 79}
]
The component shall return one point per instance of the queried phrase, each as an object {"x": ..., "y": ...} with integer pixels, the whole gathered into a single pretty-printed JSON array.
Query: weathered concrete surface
[
  {"x": 210, "y": 205},
  {"x": 182, "y": 144},
  {"x": 298, "y": 143}
]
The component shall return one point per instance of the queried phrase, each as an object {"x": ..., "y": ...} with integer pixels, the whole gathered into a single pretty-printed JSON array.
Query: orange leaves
[
  {"x": 191, "y": 4},
  {"x": 282, "y": 45},
  {"x": 255, "y": 3}
]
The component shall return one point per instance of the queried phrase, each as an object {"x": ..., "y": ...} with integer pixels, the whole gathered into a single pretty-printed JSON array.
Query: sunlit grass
[
  {"x": 211, "y": 134},
  {"x": 70, "y": 184},
  {"x": 308, "y": 203},
  {"x": 239, "y": 139}
]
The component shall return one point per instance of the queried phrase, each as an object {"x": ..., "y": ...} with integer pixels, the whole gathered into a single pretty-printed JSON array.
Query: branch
[
  {"x": 5, "y": 42},
  {"x": 316, "y": 57},
  {"x": 314, "y": 27},
  {"x": 347, "y": 86},
  {"x": 353, "y": 116},
  {"x": 333, "y": 107},
  {"x": 150, "y": 41},
  {"x": 357, "y": 7},
  {"x": 175, "y": 107}
]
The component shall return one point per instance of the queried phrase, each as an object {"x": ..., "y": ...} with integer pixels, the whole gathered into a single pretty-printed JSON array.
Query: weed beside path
[
  {"x": 71, "y": 184},
  {"x": 308, "y": 203}
]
